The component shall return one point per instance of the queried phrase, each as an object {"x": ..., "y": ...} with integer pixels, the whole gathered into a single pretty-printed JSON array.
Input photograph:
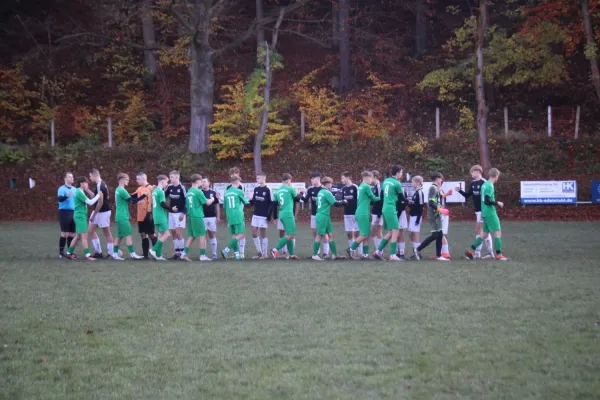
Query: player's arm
[
  {"x": 296, "y": 205},
  {"x": 205, "y": 201},
  {"x": 62, "y": 195},
  {"x": 218, "y": 209},
  {"x": 489, "y": 202},
  {"x": 371, "y": 195},
  {"x": 417, "y": 206},
  {"x": 399, "y": 190},
  {"x": 467, "y": 194}
]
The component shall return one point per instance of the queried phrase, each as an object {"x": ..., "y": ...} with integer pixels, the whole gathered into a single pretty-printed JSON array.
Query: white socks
[
  {"x": 402, "y": 247},
  {"x": 213, "y": 246},
  {"x": 242, "y": 243},
  {"x": 445, "y": 249},
  {"x": 489, "y": 245},
  {"x": 109, "y": 247},
  {"x": 326, "y": 248},
  {"x": 265, "y": 246},
  {"x": 350, "y": 241},
  {"x": 257, "y": 244},
  {"x": 96, "y": 244},
  {"x": 416, "y": 244}
]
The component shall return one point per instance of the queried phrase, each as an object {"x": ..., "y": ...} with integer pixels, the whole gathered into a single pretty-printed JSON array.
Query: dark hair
[
  {"x": 94, "y": 172},
  {"x": 234, "y": 171},
  {"x": 327, "y": 180},
  {"x": 206, "y": 177},
  {"x": 315, "y": 175},
  {"x": 174, "y": 172},
  {"x": 196, "y": 177},
  {"x": 286, "y": 177},
  {"x": 375, "y": 173},
  {"x": 80, "y": 180},
  {"x": 67, "y": 173},
  {"x": 346, "y": 174},
  {"x": 436, "y": 175},
  {"x": 397, "y": 168},
  {"x": 162, "y": 178}
]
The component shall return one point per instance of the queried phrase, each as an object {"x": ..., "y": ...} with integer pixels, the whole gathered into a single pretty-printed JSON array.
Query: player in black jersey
[
  {"x": 310, "y": 197},
  {"x": 402, "y": 223},
  {"x": 376, "y": 220},
  {"x": 417, "y": 203},
  {"x": 212, "y": 216},
  {"x": 101, "y": 217},
  {"x": 350, "y": 199},
  {"x": 475, "y": 192},
  {"x": 261, "y": 200},
  {"x": 175, "y": 194}
]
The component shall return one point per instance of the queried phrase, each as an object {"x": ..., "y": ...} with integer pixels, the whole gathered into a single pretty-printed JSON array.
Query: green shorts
[
  {"x": 491, "y": 223},
  {"x": 324, "y": 225},
  {"x": 289, "y": 225},
  {"x": 237, "y": 229},
  {"x": 196, "y": 227},
  {"x": 161, "y": 227},
  {"x": 123, "y": 228},
  {"x": 390, "y": 221},
  {"x": 364, "y": 224},
  {"x": 81, "y": 225}
]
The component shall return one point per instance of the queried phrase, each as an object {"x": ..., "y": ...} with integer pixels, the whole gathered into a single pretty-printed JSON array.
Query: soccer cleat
[
  {"x": 161, "y": 258},
  {"x": 400, "y": 256},
  {"x": 71, "y": 256},
  {"x": 214, "y": 257},
  {"x": 116, "y": 257},
  {"x": 446, "y": 255},
  {"x": 153, "y": 254},
  {"x": 175, "y": 257},
  {"x": 488, "y": 256},
  {"x": 442, "y": 258},
  {"x": 416, "y": 254},
  {"x": 477, "y": 255},
  {"x": 184, "y": 257},
  {"x": 365, "y": 257},
  {"x": 136, "y": 256},
  {"x": 377, "y": 256},
  {"x": 469, "y": 254},
  {"x": 238, "y": 258},
  {"x": 351, "y": 254},
  {"x": 500, "y": 257},
  {"x": 317, "y": 258},
  {"x": 257, "y": 257},
  {"x": 205, "y": 258},
  {"x": 98, "y": 256},
  {"x": 294, "y": 257},
  {"x": 224, "y": 254},
  {"x": 326, "y": 255},
  {"x": 90, "y": 258},
  {"x": 62, "y": 255},
  {"x": 394, "y": 257},
  {"x": 274, "y": 254}
]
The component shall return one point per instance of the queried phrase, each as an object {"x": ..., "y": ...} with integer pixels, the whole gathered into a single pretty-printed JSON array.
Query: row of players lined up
[{"x": 369, "y": 209}]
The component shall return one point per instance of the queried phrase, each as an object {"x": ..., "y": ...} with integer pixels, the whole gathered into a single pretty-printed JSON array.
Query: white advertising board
[{"x": 548, "y": 192}]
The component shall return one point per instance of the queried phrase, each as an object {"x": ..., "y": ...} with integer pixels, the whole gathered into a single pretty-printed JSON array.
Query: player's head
[
  {"x": 417, "y": 181},
  {"x": 327, "y": 182},
  {"x": 367, "y": 177},
  {"x": 397, "y": 171},
  {"x": 376, "y": 175},
  {"x": 261, "y": 178},
  {"x": 123, "y": 179},
  {"x": 437, "y": 178},
  {"x": 142, "y": 179},
  {"x": 476, "y": 171},
  {"x": 235, "y": 180},
  {"x": 346, "y": 178},
  {"x": 174, "y": 177},
  {"x": 68, "y": 177},
  {"x": 234, "y": 171},
  {"x": 95, "y": 176},
  {"x": 493, "y": 174},
  {"x": 162, "y": 180},
  {"x": 205, "y": 184},
  {"x": 196, "y": 180},
  {"x": 286, "y": 179},
  {"x": 81, "y": 182},
  {"x": 315, "y": 178}
]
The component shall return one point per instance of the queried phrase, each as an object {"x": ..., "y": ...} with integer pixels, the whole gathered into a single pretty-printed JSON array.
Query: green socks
[
  {"x": 87, "y": 252},
  {"x": 393, "y": 247},
  {"x": 70, "y": 250},
  {"x": 477, "y": 243},
  {"x": 290, "y": 246},
  {"x": 282, "y": 242},
  {"x": 186, "y": 250},
  {"x": 130, "y": 249},
  {"x": 366, "y": 249},
  {"x": 202, "y": 252},
  {"x": 354, "y": 246},
  {"x": 382, "y": 245},
  {"x": 233, "y": 244},
  {"x": 333, "y": 248},
  {"x": 498, "y": 245},
  {"x": 158, "y": 248},
  {"x": 316, "y": 246},
  {"x": 115, "y": 250}
]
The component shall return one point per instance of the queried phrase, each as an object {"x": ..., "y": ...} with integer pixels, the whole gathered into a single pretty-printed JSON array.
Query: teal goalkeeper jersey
[
  {"x": 365, "y": 197},
  {"x": 285, "y": 196}
]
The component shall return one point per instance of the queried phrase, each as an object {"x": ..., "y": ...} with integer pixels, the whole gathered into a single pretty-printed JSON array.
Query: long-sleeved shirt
[{"x": 475, "y": 192}]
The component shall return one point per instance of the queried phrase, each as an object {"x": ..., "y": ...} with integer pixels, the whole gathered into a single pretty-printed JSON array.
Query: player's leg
[
  {"x": 163, "y": 234},
  {"x": 290, "y": 233},
  {"x": 256, "y": 224},
  {"x": 470, "y": 253},
  {"x": 414, "y": 231},
  {"x": 349, "y": 221},
  {"x": 281, "y": 229},
  {"x": 320, "y": 234},
  {"x": 445, "y": 226},
  {"x": 93, "y": 236},
  {"x": 364, "y": 229},
  {"x": 330, "y": 237},
  {"x": 103, "y": 221},
  {"x": 402, "y": 225},
  {"x": 264, "y": 240}
]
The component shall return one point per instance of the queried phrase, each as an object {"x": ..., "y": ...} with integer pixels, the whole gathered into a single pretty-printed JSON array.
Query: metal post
[
  {"x": 577, "y": 119},
  {"x": 109, "y": 132},
  {"x": 302, "y": 122},
  {"x": 52, "y": 134},
  {"x": 506, "y": 121},
  {"x": 549, "y": 121},
  {"x": 437, "y": 122}
]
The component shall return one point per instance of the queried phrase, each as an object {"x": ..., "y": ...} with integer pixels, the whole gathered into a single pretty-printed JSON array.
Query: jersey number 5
[{"x": 281, "y": 199}]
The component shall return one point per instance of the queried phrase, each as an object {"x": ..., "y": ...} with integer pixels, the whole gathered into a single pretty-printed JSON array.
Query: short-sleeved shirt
[
  {"x": 101, "y": 187},
  {"x": 285, "y": 197},
  {"x": 210, "y": 211},
  {"x": 145, "y": 206},
  {"x": 81, "y": 208},
  {"x": 325, "y": 200},
  {"x": 376, "y": 209},
  {"x": 233, "y": 202},
  {"x": 392, "y": 191},
  {"x": 261, "y": 198},
  {"x": 195, "y": 202},
  {"x": 487, "y": 189},
  {"x": 350, "y": 194},
  {"x": 176, "y": 195},
  {"x": 311, "y": 196},
  {"x": 69, "y": 203},
  {"x": 158, "y": 212},
  {"x": 122, "y": 204},
  {"x": 365, "y": 197}
]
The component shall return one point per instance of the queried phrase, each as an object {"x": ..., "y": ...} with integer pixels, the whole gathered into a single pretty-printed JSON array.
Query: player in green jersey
[
  {"x": 491, "y": 222},
  {"x": 159, "y": 214},
  {"x": 122, "y": 201},
  {"x": 234, "y": 201},
  {"x": 392, "y": 192},
  {"x": 286, "y": 197},
  {"x": 196, "y": 200},
  {"x": 363, "y": 215},
  {"x": 80, "y": 216},
  {"x": 324, "y": 227},
  {"x": 434, "y": 212}
]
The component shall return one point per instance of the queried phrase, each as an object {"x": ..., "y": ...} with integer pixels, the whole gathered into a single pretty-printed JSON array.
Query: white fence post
[
  {"x": 302, "y": 122},
  {"x": 437, "y": 122},
  {"x": 577, "y": 119},
  {"x": 506, "y": 121},
  {"x": 109, "y": 120},
  {"x": 52, "y": 133},
  {"x": 549, "y": 121}
]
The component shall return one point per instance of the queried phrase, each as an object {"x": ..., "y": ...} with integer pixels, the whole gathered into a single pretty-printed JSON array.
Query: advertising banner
[{"x": 548, "y": 192}]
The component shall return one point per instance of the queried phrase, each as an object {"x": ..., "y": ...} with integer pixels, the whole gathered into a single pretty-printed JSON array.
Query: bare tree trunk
[
  {"x": 344, "y": 47},
  {"x": 421, "y": 28},
  {"x": 202, "y": 86},
  {"x": 591, "y": 43},
  {"x": 335, "y": 26},
  {"x": 260, "y": 32},
  {"x": 482, "y": 111},
  {"x": 149, "y": 34}
]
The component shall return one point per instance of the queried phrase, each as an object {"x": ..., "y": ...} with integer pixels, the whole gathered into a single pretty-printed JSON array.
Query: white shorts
[
  {"x": 313, "y": 222},
  {"x": 174, "y": 221},
  {"x": 259, "y": 222},
  {"x": 445, "y": 223},
  {"x": 403, "y": 221},
  {"x": 210, "y": 224},
  {"x": 350, "y": 223},
  {"x": 478, "y": 216},
  {"x": 280, "y": 225},
  {"x": 413, "y": 226},
  {"x": 377, "y": 221},
  {"x": 102, "y": 219}
]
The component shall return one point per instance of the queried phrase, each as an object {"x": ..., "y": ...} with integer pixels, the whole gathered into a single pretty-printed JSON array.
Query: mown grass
[{"x": 302, "y": 330}]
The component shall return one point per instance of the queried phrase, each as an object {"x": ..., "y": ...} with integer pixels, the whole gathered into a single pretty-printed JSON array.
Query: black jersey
[
  {"x": 177, "y": 195},
  {"x": 401, "y": 203},
  {"x": 101, "y": 187},
  {"x": 475, "y": 191},
  {"x": 210, "y": 211},
  {"x": 377, "y": 205},
  {"x": 261, "y": 199},
  {"x": 350, "y": 194},
  {"x": 311, "y": 195},
  {"x": 417, "y": 203}
]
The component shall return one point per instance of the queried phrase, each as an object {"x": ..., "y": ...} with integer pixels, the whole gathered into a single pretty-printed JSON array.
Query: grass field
[{"x": 299, "y": 329}]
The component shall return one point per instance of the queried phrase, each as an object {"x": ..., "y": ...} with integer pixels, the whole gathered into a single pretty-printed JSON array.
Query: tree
[
  {"x": 260, "y": 31},
  {"x": 482, "y": 111},
  {"x": 149, "y": 34},
  {"x": 344, "y": 46},
  {"x": 591, "y": 51},
  {"x": 421, "y": 28}
]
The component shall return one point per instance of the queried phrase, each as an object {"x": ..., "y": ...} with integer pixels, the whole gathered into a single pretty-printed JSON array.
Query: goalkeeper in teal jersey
[
  {"x": 363, "y": 215},
  {"x": 491, "y": 222},
  {"x": 324, "y": 227},
  {"x": 286, "y": 196},
  {"x": 234, "y": 201},
  {"x": 392, "y": 192}
]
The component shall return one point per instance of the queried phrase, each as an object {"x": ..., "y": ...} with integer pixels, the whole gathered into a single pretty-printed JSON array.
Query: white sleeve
[{"x": 91, "y": 202}]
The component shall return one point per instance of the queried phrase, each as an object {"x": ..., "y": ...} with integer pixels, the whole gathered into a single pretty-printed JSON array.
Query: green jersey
[
  {"x": 122, "y": 204},
  {"x": 159, "y": 214},
  {"x": 324, "y": 201},
  {"x": 234, "y": 206},
  {"x": 365, "y": 197},
  {"x": 81, "y": 211},
  {"x": 433, "y": 201},
  {"x": 392, "y": 191},
  {"x": 195, "y": 202},
  {"x": 487, "y": 189},
  {"x": 285, "y": 196}
]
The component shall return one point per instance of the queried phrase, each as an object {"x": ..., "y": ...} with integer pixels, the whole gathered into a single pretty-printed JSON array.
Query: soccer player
[
  {"x": 234, "y": 202},
  {"x": 101, "y": 216},
  {"x": 491, "y": 222},
  {"x": 323, "y": 220},
  {"x": 261, "y": 200},
  {"x": 287, "y": 197},
  {"x": 81, "y": 218},
  {"x": 392, "y": 193},
  {"x": 235, "y": 171},
  {"x": 176, "y": 193},
  {"x": 475, "y": 192},
  {"x": 122, "y": 201},
  {"x": 365, "y": 197},
  {"x": 445, "y": 223},
  {"x": 402, "y": 223},
  {"x": 144, "y": 214},
  {"x": 417, "y": 203},
  {"x": 350, "y": 197},
  {"x": 212, "y": 216},
  {"x": 376, "y": 220},
  {"x": 275, "y": 214},
  {"x": 435, "y": 211},
  {"x": 159, "y": 214},
  {"x": 196, "y": 228},
  {"x": 66, "y": 206},
  {"x": 311, "y": 197}
]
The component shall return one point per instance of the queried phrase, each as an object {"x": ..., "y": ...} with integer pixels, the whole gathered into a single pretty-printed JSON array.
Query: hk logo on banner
[{"x": 568, "y": 187}]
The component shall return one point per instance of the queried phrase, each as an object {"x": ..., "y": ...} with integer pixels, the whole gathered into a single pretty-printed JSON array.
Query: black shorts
[
  {"x": 146, "y": 226},
  {"x": 66, "y": 221}
]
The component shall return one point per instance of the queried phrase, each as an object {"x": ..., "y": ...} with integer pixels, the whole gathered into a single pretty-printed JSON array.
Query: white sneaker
[
  {"x": 135, "y": 256},
  {"x": 117, "y": 257},
  {"x": 489, "y": 256},
  {"x": 205, "y": 258},
  {"x": 416, "y": 254},
  {"x": 317, "y": 258},
  {"x": 120, "y": 253},
  {"x": 442, "y": 259},
  {"x": 161, "y": 258},
  {"x": 477, "y": 255},
  {"x": 153, "y": 254},
  {"x": 394, "y": 257}
]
